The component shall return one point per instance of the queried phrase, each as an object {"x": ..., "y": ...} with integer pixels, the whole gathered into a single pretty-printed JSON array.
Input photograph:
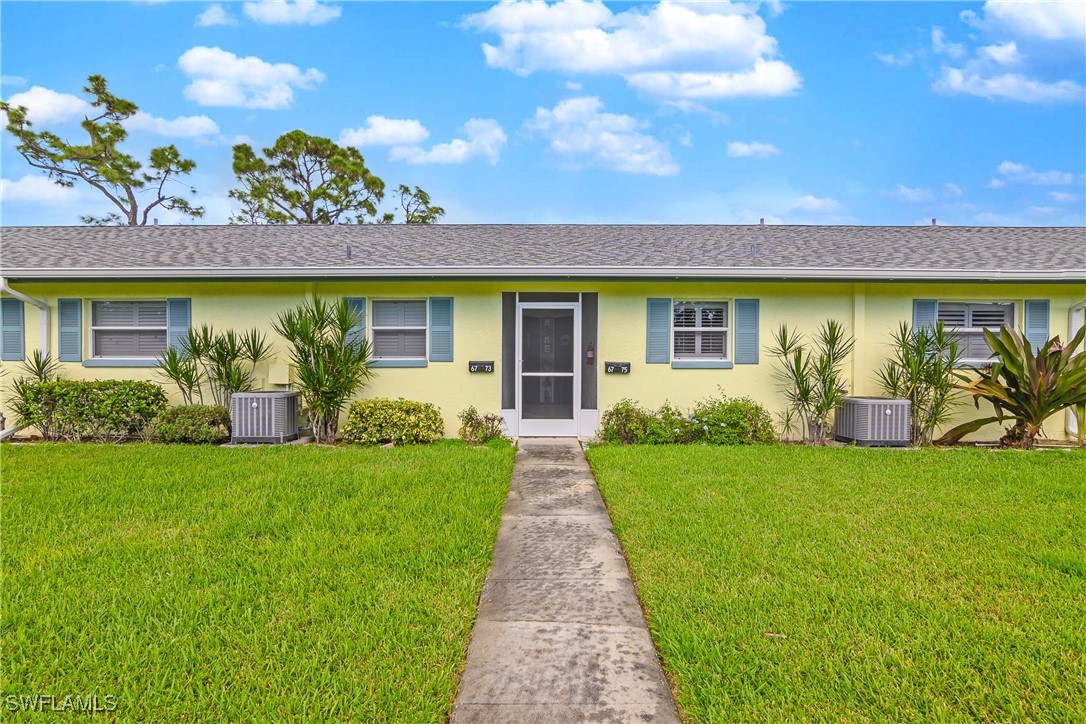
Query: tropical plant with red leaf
[{"x": 1025, "y": 386}]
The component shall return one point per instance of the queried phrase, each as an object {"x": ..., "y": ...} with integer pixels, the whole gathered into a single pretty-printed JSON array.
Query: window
[
  {"x": 969, "y": 321},
  {"x": 128, "y": 330},
  {"x": 700, "y": 330},
  {"x": 399, "y": 329}
]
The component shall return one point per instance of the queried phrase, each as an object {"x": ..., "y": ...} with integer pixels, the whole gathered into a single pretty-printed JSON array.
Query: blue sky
[{"x": 847, "y": 112}]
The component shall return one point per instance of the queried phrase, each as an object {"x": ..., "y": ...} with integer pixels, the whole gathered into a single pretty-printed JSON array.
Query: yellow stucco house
[{"x": 548, "y": 324}]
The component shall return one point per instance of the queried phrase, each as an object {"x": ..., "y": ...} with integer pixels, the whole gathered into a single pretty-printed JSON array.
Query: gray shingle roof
[{"x": 545, "y": 250}]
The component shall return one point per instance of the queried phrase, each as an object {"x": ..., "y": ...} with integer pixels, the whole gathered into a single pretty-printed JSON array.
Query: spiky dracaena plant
[
  {"x": 183, "y": 371},
  {"x": 922, "y": 370},
  {"x": 217, "y": 359},
  {"x": 1025, "y": 386},
  {"x": 331, "y": 363},
  {"x": 812, "y": 378}
]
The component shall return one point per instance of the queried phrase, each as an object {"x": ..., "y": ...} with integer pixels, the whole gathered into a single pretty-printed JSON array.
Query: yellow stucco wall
[{"x": 871, "y": 310}]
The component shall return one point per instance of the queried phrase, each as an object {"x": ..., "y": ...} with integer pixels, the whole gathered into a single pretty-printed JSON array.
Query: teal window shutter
[
  {"x": 746, "y": 331},
  {"x": 358, "y": 332},
  {"x": 1037, "y": 322},
  {"x": 70, "y": 330},
  {"x": 11, "y": 315},
  {"x": 925, "y": 312},
  {"x": 178, "y": 321},
  {"x": 441, "y": 329},
  {"x": 658, "y": 343}
]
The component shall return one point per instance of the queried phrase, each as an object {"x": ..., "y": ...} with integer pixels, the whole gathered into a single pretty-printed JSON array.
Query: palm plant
[
  {"x": 25, "y": 399},
  {"x": 182, "y": 370},
  {"x": 813, "y": 378},
  {"x": 254, "y": 349},
  {"x": 41, "y": 367},
  {"x": 1025, "y": 386},
  {"x": 330, "y": 362},
  {"x": 217, "y": 359},
  {"x": 922, "y": 370}
]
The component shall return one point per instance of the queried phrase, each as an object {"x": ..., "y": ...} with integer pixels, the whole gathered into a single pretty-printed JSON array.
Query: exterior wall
[{"x": 871, "y": 310}]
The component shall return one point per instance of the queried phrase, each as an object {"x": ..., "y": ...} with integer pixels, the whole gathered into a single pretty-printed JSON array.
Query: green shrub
[
  {"x": 738, "y": 421},
  {"x": 630, "y": 424},
  {"x": 192, "y": 424},
  {"x": 400, "y": 421},
  {"x": 476, "y": 429},
  {"x": 716, "y": 421},
  {"x": 100, "y": 410}
]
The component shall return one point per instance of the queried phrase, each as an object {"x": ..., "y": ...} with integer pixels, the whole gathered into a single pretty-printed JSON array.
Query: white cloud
[
  {"x": 1062, "y": 197},
  {"x": 180, "y": 127},
  {"x": 578, "y": 130},
  {"x": 1051, "y": 31},
  {"x": 215, "y": 15},
  {"x": 1008, "y": 86},
  {"x": 669, "y": 50},
  {"x": 12, "y": 80},
  {"x": 941, "y": 46},
  {"x": 381, "y": 131},
  {"x": 996, "y": 183},
  {"x": 291, "y": 12},
  {"x": 896, "y": 61},
  {"x": 1044, "y": 210},
  {"x": 35, "y": 190},
  {"x": 753, "y": 149},
  {"x": 574, "y": 86},
  {"x": 220, "y": 78},
  {"x": 816, "y": 205},
  {"x": 952, "y": 190},
  {"x": 1021, "y": 173},
  {"x": 1003, "y": 53},
  {"x": 767, "y": 78},
  {"x": 913, "y": 196},
  {"x": 46, "y": 106},
  {"x": 485, "y": 139},
  {"x": 1064, "y": 20}
]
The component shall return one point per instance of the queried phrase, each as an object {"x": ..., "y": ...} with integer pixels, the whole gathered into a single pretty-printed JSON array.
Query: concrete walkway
[{"x": 560, "y": 635}]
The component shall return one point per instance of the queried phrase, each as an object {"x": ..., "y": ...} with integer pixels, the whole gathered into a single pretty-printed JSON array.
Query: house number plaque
[
  {"x": 474, "y": 367},
  {"x": 616, "y": 368}
]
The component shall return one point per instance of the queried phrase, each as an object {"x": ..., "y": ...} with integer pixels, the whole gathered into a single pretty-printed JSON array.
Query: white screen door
[{"x": 549, "y": 369}]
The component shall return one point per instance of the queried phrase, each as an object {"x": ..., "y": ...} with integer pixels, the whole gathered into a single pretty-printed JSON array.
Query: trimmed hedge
[
  {"x": 99, "y": 410},
  {"x": 400, "y": 421},
  {"x": 715, "y": 421},
  {"x": 192, "y": 424}
]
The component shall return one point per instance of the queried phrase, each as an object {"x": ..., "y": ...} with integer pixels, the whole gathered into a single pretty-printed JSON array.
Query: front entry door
[{"x": 549, "y": 374}]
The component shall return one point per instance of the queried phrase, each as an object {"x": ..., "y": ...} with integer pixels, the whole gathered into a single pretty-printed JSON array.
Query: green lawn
[
  {"x": 929, "y": 585},
  {"x": 246, "y": 584}
]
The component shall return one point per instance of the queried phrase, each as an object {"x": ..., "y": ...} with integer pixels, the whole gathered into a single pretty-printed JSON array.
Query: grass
[
  {"x": 246, "y": 584},
  {"x": 848, "y": 585}
]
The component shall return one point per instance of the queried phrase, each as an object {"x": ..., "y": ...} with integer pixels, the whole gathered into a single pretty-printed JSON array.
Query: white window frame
[
  {"x": 96, "y": 328},
  {"x": 373, "y": 328},
  {"x": 725, "y": 356},
  {"x": 970, "y": 330}
]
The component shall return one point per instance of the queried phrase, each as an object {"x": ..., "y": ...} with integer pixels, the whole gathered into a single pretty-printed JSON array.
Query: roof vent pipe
[
  {"x": 933, "y": 223},
  {"x": 156, "y": 221},
  {"x": 761, "y": 221},
  {"x": 349, "y": 251}
]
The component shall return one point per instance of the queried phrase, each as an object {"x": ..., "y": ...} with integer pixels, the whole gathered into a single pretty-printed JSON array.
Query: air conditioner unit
[
  {"x": 874, "y": 422},
  {"x": 264, "y": 416}
]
